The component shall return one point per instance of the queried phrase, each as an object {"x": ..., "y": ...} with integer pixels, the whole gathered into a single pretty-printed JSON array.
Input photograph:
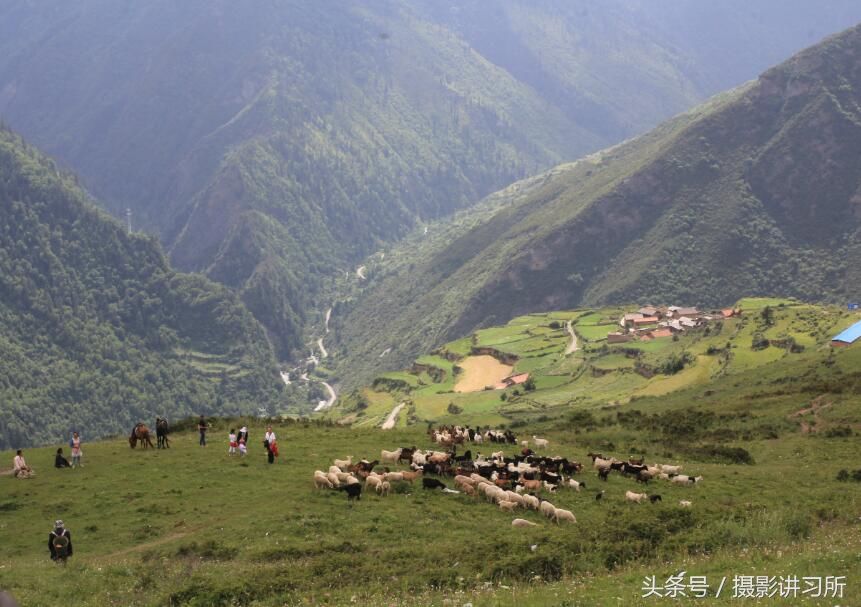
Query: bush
[
  {"x": 838, "y": 432},
  {"x": 722, "y": 454},
  {"x": 454, "y": 409}
]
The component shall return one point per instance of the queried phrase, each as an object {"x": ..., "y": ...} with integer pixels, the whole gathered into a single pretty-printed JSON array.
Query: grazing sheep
[
  {"x": 670, "y": 469},
  {"x": 411, "y": 476},
  {"x": 685, "y": 503},
  {"x": 599, "y": 496},
  {"x": 521, "y": 522},
  {"x": 320, "y": 480},
  {"x": 373, "y": 481},
  {"x": 394, "y": 476},
  {"x": 602, "y": 464},
  {"x": 508, "y": 506},
  {"x": 432, "y": 483},
  {"x": 343, "y": 476},
  {"x": 384, "y": 488},
  {"x": 563, "y": 515},
  {"x": 540, "y": 443},
  {"x": 664, "y": 476},
  {"x": 333, "y": 478},
  {"x": 524, "y": 444},
  {"x": 353, "y": 491},
  {"x": 684, "y": 479},
  {"x": 438, "y": 457},
  {"x": 531, "y": 485},
  {"x": 576, "y": 484},
  {"x": 547, "y": 509},
  {"x": 351, "y": 480},
  {"x": 655, "y": 498},
  {"x": 530, "y": 501},
  {"x": 497, "y": 455},
  {"x": 390, "y": 457},
  {"x": 467, "y": 489},
  {"x": 343, "y": 464},
  {"x": 334, "y": 470},
  {"x": 550, "y": 487},
  {"x": 603, "y": 473},
  {"x": 635, "y": 497}
]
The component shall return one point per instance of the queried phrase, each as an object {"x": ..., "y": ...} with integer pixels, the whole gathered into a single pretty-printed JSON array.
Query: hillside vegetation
[
  {"x": 97, "y": 331},
  {"x": 771, "y": 427},
  {"x": 272, "y": 145},
  {"x": 755, "y": 192}
]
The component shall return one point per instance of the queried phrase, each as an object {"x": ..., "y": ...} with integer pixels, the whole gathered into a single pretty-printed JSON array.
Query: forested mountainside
[
  {"x": 756, "y": 192},
  {"x": 97, "y": 332},
  {"x": 272, "y": 144}
]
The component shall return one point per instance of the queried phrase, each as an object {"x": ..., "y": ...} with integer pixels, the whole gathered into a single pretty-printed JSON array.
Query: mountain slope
[
  {"x": 96, "y": 330},
  {"x": 321, "y": 131},
  {"x": 756, "y": 192}
]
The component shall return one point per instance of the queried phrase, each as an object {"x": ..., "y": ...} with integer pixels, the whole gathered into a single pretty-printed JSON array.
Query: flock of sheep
[{"x": 512, "y": 483}]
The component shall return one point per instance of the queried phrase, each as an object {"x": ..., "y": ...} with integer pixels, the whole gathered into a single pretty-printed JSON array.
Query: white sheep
[
  {"x": 333, "y": 478},
  {"x": 383, "y": 488},
  {"x": 575, "y": 484},
  {"x": 320, "y": 480},
  {"x": 394, "y": 476},
  {"x": 390, "y": 457},
  {"x": 521, "y": 522},
  {"x": 547, "y": 509},
  {"x": 635, "y": 497},
  {"x": 685, "y": 503},
  {"x": 334, "y": 470},
  {"x": 419, "y": 458},
  {"x": 684, "y": 479},
  {"x": 373, "y": 480},
  {"x": 670, "y": 469},
  {"x": 531, "y": 501},
  {"x": 506, "y": 505},
  {"x": 550, "y": 487},
  {"x": 343, "y": 464},
  {"x": 524, "y": 444},
  {"x": 563, "y": 515},
  {"x": 540, "y": 443},
  {"x": 351, "y": 480}
]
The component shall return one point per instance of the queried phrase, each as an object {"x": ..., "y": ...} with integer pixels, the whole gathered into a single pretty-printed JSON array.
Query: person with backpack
[{"x": 60, "y": 543}]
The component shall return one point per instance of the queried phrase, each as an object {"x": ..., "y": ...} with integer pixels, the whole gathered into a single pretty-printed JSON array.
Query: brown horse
[{"x": 140, "y": 433}]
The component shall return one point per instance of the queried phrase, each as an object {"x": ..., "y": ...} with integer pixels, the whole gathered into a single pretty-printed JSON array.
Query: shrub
[
  {"x": 454, "y": 409},
  {"x": 838, "y": 432}
]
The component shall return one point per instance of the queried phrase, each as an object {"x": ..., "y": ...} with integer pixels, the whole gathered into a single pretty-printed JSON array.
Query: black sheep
[
  {"x": 655, "y": 498},
  {"x": 432, "y": 483},
  {"x": 354, "y": 491}
]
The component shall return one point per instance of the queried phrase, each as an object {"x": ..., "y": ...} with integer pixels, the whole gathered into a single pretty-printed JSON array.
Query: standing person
[
  {"x": 60, "y": 543},
  {"x": 76, "y": 450},
  {"x": 21, "y": 469},
  {"x": 273, "y": 443},
  {"x": 233, "y": 442},
  {"x": 201, "y": 427},
  {"x": 60, "y": 461},
  {"x": 243, "y": 449}
]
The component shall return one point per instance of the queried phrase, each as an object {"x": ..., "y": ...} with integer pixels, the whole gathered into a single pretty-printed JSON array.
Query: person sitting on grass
[
  {"x": 60, "y": 543},
  {"x": 60, "y": 461},
  {"x": 22, "y": 470}
]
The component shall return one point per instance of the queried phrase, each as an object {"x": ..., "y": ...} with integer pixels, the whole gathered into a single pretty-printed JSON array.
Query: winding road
[
  {"x": 360, "y": 272},
  {"x": 325, "y": 404},
  {"x": 328, "y": 316},
  {"x": 323, "y": 353},
  {"x": 393, "y": 417},
  {"x": 573, "y": 346}
]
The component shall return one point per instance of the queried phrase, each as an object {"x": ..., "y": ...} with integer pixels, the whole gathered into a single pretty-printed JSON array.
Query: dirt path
[
  {"x": 479, "y": 372},
  {"x": 286, "y": 377},
  {"x": 393, "y": 417},
  {"x": 328, "y": 316},
  {"x": 816, "y": 406},
  {"x": 573, "y": 346},
  {"x": 384, "y": 352},
  {"x": 140, "y": 547},
  {"x": 360, "y": 272},
  {"x": 323, "y": 353}
]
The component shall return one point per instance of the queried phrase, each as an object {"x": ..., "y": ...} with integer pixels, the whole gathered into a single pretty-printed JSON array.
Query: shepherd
[{"x": 60, "y": 543}]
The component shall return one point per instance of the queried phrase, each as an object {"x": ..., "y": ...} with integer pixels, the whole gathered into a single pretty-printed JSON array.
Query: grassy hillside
[
  {"x": 768, "y": 429},
  {"x": 274, "y": 145},
  {"x": 754, "y": 192},
  {"x": 772, "y": 338},
  {"x": 96, "y": 330}
]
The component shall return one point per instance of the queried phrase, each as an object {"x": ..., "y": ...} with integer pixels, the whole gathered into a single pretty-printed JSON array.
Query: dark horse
[
  {"x": 161, "y": 431},
  {"x": 140, "y": 433}
]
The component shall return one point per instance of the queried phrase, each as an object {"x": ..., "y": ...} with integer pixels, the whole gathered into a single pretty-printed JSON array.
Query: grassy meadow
[{"x": 769, "y": 429}]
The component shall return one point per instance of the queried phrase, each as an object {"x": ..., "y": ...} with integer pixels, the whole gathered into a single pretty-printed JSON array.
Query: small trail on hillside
[
  {"x": 393, "y": 417},
  {"x": 573, "y": 346},
  {"x": 325, "y": 404},
  {"x": 323, "y": 353},
  {"x": 140, "y": 547},
  {"x": 816, "y": 406},
  {"x": 326, "y": 322},
  {"x": 360, "y": 272}
]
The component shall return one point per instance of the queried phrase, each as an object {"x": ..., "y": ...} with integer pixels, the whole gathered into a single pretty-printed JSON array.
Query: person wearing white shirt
[{"x": 22, "y": 470}]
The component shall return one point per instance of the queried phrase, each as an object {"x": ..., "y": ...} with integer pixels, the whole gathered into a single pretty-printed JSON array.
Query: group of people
[
  {"x": 238, "y": 442},
  {"x": 20, "y": 468}
]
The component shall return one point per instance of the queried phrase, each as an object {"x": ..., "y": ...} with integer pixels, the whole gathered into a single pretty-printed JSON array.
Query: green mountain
[
  {"x": 273, "y": 144},
  {"x": 97, "y": 331},
  {"x": 755, "y": 192}
]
